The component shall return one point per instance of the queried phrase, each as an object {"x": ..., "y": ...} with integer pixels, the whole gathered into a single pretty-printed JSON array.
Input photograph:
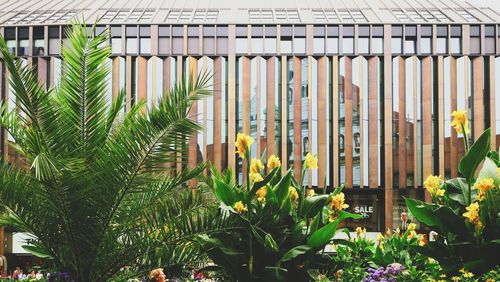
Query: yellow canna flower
[
  {"x": 261, "y": 194},
  {"x": 239, "y": 207},
  {"x": 433, "y": 185},
  {"x": 462, "y": 270},
  {"x": 360, "y": 231},
  {"x": 468, "y": 274},
  {"x": 273, "y": 162},
  {"x": 412, "y": 226},
  {"x": 388, "y": 232},
  {"x": 484, "y": 185},
  {"x": 412, "y": 234},
  {"x": 256, "y": 177},
  {"x": 472, "y": 213},
  {"x": 490, "y": 280},
  {"x": 455, "y": 278},
  {"x": 421, "y": 240},
  {"x": 256, "y": 166},
  {"x": 310, "y": 193},
  {"x": 459, "y": 120},
  {"x": 337, "y": 202},
  {"x": 243, "y": 143},
  {"x": 397, "y": 231},
  {"x": 311, "y": 162},
  {"x": 332, "y": 217},
  {"x": 294, "y": 196}
]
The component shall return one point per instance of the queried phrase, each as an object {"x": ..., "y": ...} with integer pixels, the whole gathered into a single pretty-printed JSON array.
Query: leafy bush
[
  {"x": 465, "y": 210},
  {"x": 278, "y": 230}
]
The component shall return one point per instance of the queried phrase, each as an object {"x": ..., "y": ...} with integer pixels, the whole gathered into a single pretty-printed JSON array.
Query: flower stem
[{"x": 466, "y": 142}]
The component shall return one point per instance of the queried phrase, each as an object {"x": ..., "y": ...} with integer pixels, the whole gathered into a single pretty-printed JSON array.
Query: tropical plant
[
  {"x": 95, "y": 181},
  {"x": 279, "y": 230},
  {"x": 465, "y": 210}
]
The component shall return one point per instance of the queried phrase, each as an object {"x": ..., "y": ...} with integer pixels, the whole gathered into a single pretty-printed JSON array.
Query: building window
[
  {"x": 222, "y": 40},
  {"x": 410, "y": 39},
  {"x": 475, "y": 39},
  {"x": 332, "y": 39},
  {"x": 54, "y": 40},
  {"x": 489, "y": 43},
  {"x": 145, "y": 39},
  {"x": 456, "y": 39},
  {"x": 193, "y": 39},
  {"x": 377, "y": 41},
  {"x": 116, "y": 39},
  {"x": 10, "y": 38},
  {"x": 23, "y": 39},
  {"x": 364, "y": 39},
  {"x": 319, "y": 40},
  {"x": 426, "y": 39},
  {"x": 286, "y": 39},
  {"x": 257, "y": 40},
  {"x": 397, "y": 39},
  {"x": 131, "y": 37},
  {"x": 241, "y": 40},
  {"x": 177, "y": 40},
  {"x": 38, "y": 41},
  {"x": 299, "y": 39},
  {"x": 442, "y": 40},
  {"x": 270, "y": 39},
  {"x": 164, "y": 40},
  {"x": 348, "y": 39},
  {"x": 209, "y": 40}
]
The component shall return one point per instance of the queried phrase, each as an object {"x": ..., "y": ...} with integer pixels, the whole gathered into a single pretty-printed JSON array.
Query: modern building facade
[{"x": 368, "y": 86}]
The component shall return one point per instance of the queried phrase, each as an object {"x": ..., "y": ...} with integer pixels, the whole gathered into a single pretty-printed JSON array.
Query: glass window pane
[
  {"x": 209, "y": 45},
  {"x": 396, "y": 45},
  {"x": 455, "y": 44},
  {"x": 257, "y": 46},
  {"x": 286, "y": 46},
  {"x": 54, "y": 46},
  {"x": 164, "y": 45},
  {"x": 426, "y": 45},
  {"x": 131, "y": 45},
  {"x": 348, "y": 45},
  {"x": 475, "y": 45},
  {"x": 441, "y": 45},
  {"x": 299, "y": 45},
  {"x": 332, "y": 45},
  {"x": 270, "y": 45},
  {"x": 177, "y": 45},
  {"x": 241, "y": 45},
  {"x": 410, "y": 46},
  {"x": 363, "y": 45},
  {"x": 222, "y": 45},
  {"x": 146, "y": 45},
  {"x": 377, "y": 45},
  {"x": 319, "y": 45},
  {"x": 489, "y": 47},
  {"x": 193, "y": 45}
]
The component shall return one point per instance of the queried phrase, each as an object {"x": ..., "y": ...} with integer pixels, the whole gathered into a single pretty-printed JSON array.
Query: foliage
[
  {"x": 278, "y": 231},
  {"x": 465, "y": 213},
  {"x": 93, "y": 187}
]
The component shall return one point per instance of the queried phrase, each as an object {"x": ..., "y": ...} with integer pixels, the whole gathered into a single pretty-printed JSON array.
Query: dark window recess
[
  {"x": 475, "y": 39},
  {"x": 116, "y": 31},
  {"x": 38, "y": 41},
  {"x": 23, "y": 41}
]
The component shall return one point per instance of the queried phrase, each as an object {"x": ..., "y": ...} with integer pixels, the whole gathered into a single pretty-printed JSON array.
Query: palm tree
[{"x": 94, "y": 177}]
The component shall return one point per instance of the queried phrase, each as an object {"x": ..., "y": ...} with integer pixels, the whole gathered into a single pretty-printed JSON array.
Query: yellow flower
[
  {"x": 478, "y": 225},
  {"x": 468, "y": 274},
  {"x": 455, "y": 278},
  {"x": 256, "y": 177},
  {"x": 412, "y": 234},
  {"x": 421, "y": 240},
  {"x": 398, "y": 231},
  {"x": 294, "y": 196},
  {"x": 442, "y": 276},
  {"x": 243, "y": 143},
  {"x": 498, "y": 171},
  {"x": 433, "y": 185},
  {"x": 459, "y": 120},
  {"x": 380, "y": 237},
  {"x": 310, "y": 193},
  {"x": 273, "y": 162},
  {"x": 388, "y": 232},
  {"x": 484, "y": 185},
  {"x": 412, "y": 226},
  {"x": 462, "y": 270},
  {"x": 360, "y": 231},
  {"x": 256, "y": 166},
  {"x": 337, "y": 202},
  {"x": 490, "y": 280},
  {"x": 239, "y": 207},
  {"x": 332, "y": 217},
  {"x": 311, "y": 162},
  {"x": 261, "y": 194},
  {"x": 472, "y": 213}
]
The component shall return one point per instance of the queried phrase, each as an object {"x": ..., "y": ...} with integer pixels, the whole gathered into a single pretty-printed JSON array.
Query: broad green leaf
[
  {"x": 422, "y": 211},
  {"x": 323, "y": 235},
  {"x": 476, "y": 154},
  {"x": 270, "y": 244},
  {"x": 274, "y": 273},
  {"x": 224, "y": 192},
  {"x": 489, "y": 170},
  {"x": 281, "y": 189},
  {"x": 38, "y": 250},
  {"x": 313, "y": 205},
  {"x": 295, "y": 252}
]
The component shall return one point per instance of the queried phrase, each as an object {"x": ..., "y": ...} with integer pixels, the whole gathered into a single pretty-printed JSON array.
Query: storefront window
[
  {"x": 286, "y": 40},
  {"x": 116, "y": 39},
  {"x": 332, "y": 40},
  {"x": 397, "y": 39},
  {"x": 348, "y": 39},
  {"x": 426, "y": 39},
  {"x": 364, "y": 39},
  {"x": 38, "y": 41},
  {"x": 377, "y": 42},
  {"x": 456, "y": 39},
  {"x": 319, "y": 40},
  {"x": 442, "y": 40},
  {"x": 410, "y": 39},
  {"x": 241, "y": 40},
  {"x": 475, "y": 39},
  {"x": 164, "y": 40}
]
